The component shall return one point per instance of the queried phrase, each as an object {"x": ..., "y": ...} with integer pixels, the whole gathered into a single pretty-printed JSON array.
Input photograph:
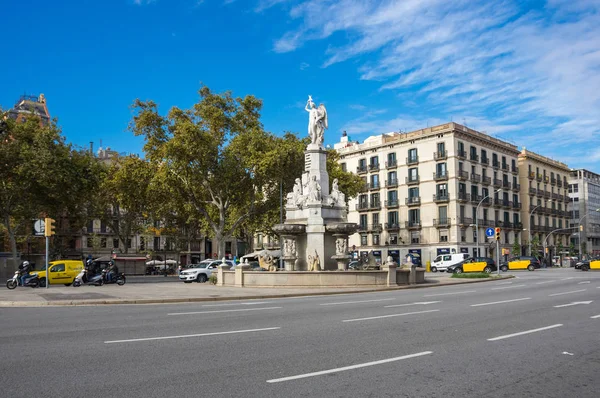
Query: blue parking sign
[{"x": 489, "y": 232}]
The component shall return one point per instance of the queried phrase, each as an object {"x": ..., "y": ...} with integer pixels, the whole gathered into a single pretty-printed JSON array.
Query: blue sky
[{"x": 523, "y": 71}]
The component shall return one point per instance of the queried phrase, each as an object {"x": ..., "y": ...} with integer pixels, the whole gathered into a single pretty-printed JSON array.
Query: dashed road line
[
  {"x": 190, "y": 335},
  {"x": 572, "y": 291},
  {"x": 501, "y": 302},
  {"x": 448, "y": 294},
  {"x": 525, "y": 332},
  {"x": 388, "y": 316},
  {"x": 223, "y": 311}
]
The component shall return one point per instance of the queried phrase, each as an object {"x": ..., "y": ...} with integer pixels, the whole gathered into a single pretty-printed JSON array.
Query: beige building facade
[
  {"x": 545, "y": 198},
  {"x": 433, "y": 191}
]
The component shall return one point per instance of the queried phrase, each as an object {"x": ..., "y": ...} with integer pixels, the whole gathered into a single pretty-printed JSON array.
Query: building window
[
  {"x": 343, "y": 166},
  {"x": 142, "y": 243},
  {"x": 414, "y": 237},
  {"x": 393, "y": 239},
  {"x": 393, "y": 218},
  {"x": 375, "y": 218},
  {"x": 391, "y": 159},
  {"x": 412, "y": 155},
  {"x": 103, "y": 243},
  {"x": 90, "y": 242},
  {"x": 116, "y": 243},
  {"x": 375, "y": 181},
  {"x": 413, "y": 174},
  {"x": 363, "y": 221},
  {"x": 363, "y": 240},
  {"x": 443, "y": 235},
  {"x": 375, "y": 239},
  {"x": 374, "y": 161}
]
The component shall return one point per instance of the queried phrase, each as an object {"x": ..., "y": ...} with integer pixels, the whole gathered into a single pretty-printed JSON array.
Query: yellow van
[{"x": 61, "y": 271}]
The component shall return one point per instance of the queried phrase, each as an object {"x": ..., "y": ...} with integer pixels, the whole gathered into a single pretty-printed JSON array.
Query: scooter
[
  {"x": 83, "y": 279},
  {"x": 15, "y": 281},
  {"x": 119, "y": 279}
]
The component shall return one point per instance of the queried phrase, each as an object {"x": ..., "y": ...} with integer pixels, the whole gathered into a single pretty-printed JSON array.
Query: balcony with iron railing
[
  {"x": 555, "y": 196},
  {"x": 507, "y": 203},
  {"x": 516, "y": 205},
  {"x": 497, "y": 202},
  {"x": 412, "y": 180},
  {"x": 546, "y": 179},
  {"x": 461, "y": 154},
  {"x": 374, "y": 167},
  {"x": 532, "y": 191},
  {"x": 392, "y": 226},
  {"x": 514, "y": 169},
  {"x": 486, "y": 202},
  {"x": 475, "y": 178},
  {"x": 547, "y": 195},
  {"x": 361, "y": 169},
  {"x": 391, "y": 164},
  {"x": 390, "y": 204},
  {"x": 495, "y": 164},
  {"x": 485, "y": 160},
  {"x": 506, "y": 184},
  {"x": 531, "y": 175},
  {"x": 413, "y": 201},
  {"x": 441, "y": 155},
  {"x": 559, "y": 183},
  {"x": 464, "y": 221},
  {"x": 440, "y": 198},
  {"x": 487, "y": 223},
  {"x": 497, "y": 183},
  {"x": 553, "y": 181},
  {"x": 440, "y": 176},
  {"x": 486, "y": 180},
  {"x": 373, "y": 186},
  {"x": 463, "y": 197},
  {"x": 463, "y": 175},
  {"x": 473, "y": 157},
  {"x": 362, "y": 228},
  {"x": 412, "y": 160},
  {"x": 476, "y": 198},
  {"x": 375, "y": 228},
  {"x": 441, "y": 223},
  {"x": 539, "y": 177},
  {"x": 516, "y": 187},
  {"x": 375, "y": 205},
  {"x": 362, "y": 206},
  {"x": 505, "y": 167},
  {"x": 391, "y": 183},
  {"x": 540, "y": 192},
  {"x": 415, "y": 224}
]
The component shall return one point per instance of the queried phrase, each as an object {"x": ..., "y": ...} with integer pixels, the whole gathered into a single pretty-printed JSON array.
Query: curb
[{"x": 68, "y": 303}]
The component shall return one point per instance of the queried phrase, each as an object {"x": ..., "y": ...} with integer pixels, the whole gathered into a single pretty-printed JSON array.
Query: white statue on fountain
[{"x": 317, "y": 122}]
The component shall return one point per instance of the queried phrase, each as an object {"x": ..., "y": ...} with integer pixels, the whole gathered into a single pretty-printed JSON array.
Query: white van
[{"x": 443, "y": 261}]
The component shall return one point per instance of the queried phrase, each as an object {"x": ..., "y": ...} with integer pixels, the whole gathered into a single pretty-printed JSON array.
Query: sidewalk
[{"x": 178, "y": 292}]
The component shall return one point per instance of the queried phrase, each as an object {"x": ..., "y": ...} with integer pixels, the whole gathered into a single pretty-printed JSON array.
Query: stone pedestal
[{"x": 390, "y": 266}]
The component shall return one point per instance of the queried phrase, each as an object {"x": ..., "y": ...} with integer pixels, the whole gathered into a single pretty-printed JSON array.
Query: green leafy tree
[
  {"x": 209, "y": 157},
  {"x": 125, "y": 199},
  {"x": 535, "y": 245},
  {"x": 516, "y": 249},
  {"x": 42, "y": 176}
]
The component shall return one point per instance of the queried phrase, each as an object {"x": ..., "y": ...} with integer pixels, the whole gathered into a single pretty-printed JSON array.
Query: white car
[{"x": 201, "y": 272}]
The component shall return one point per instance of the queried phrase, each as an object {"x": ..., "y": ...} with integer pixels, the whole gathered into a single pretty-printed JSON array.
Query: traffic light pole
[
  {"x": 498, "y": 255},
  {"x": 47, "y": 270}
]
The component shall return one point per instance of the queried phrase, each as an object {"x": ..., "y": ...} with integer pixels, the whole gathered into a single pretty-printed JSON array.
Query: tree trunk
[{"x": 13, "y": 241}]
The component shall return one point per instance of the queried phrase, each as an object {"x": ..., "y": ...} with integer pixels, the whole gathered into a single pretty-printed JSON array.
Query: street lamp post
[
  {"x": 477, "y": 221},
  {"x": 529, "y": 221},
  {"x": 550, "y": 233},
  {"x": 579, "y": 238}
]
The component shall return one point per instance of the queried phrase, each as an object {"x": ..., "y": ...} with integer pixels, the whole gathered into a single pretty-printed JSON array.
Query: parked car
[
  {"x": 477, "y": 264},
  {"x": 201, "y": 271},
  {"x": 529, "y": 263}
]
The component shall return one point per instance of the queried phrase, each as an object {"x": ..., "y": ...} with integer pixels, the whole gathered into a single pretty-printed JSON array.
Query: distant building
[
  {"x": 29, "y": 105},
  {"x": 584, "y": 193}
]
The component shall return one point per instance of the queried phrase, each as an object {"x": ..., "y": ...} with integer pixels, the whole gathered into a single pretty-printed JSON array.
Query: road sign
[
  {"x": 489, "y": 232},
  {"x": 39, "y": 227}
]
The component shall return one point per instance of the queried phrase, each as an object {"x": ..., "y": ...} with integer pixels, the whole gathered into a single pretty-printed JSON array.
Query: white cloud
[
  {"x": 527, "y": 75},
  {"x": 143, "y": 2},
  {"x": 304, "y": 65}
]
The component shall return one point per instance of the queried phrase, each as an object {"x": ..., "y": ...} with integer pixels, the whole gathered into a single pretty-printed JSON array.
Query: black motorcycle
[{"x": 119, "y": 279}]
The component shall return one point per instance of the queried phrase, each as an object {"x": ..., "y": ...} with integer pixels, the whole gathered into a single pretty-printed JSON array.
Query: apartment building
[
  {"x": 433, "y": 191},
  {"x": 544, "y": 194},
  {"x": 584, "y": 200}
]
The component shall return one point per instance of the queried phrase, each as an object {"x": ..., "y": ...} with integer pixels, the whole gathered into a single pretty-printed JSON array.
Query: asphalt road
[{"x": 532, "y": 336}]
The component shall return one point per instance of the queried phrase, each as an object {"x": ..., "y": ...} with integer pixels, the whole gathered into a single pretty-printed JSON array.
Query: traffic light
[
  {"x": 497, "y": 233},
  {"x": 49, "y": 227}
]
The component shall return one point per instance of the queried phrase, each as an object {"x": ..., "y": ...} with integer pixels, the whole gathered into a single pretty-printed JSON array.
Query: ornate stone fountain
[{"x": 316, "y": 226}]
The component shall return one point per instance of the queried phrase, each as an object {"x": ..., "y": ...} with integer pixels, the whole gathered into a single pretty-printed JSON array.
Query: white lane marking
[
  {"x": 573, "y": 303},
  {"x": 566, "y": 279},
  {"x": 417, "y": 303},
  {"x": 361, "y": 301},
  {"x": 447, "y": 294},
  {"x": 388, "y": 316},
  {"x": 541, "y": 283},
  {"x": 222, "y": 311},
  {"x": 501, "y": 302},
  {"x": 506, "y": 287},
  {"x": 504, "y": 283},
  {"x": 190, "y": 335},
  {"x": 595, "y": 317},
  {"x": 231, "y": 304},
  {"x": 358, "y": 366},
  {"x": 525, "y": 332},
  {"x": 567, "y": 353},
  {"x": 584, "y": 282},
  {"x": 572, "y": 291}
]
